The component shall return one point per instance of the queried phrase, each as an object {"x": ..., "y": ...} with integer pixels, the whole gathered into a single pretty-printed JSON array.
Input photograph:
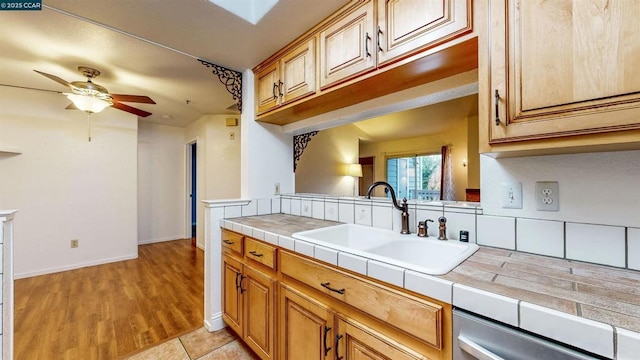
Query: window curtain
[{"x": 447, "y": 187}]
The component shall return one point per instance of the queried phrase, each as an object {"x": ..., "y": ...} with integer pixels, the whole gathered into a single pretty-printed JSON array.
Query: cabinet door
[
  {"x": 355, "y": 341},
  {"x": 299, "y": 72},
  {"x": 232, "y": 288},
  {"x": 563, "y": 67},
  {"x": 306, "y": 327},
  {"x": 347, "y": 48},
  {"x": 268, "y": 88},
  {"x": 259, "y": 302},
  {"x": 408, "y": 26}
]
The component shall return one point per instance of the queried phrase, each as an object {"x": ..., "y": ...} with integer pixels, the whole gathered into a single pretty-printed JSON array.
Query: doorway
[
  {"x": 368, "y": 174},
  {"x": 192, "y": 198}
]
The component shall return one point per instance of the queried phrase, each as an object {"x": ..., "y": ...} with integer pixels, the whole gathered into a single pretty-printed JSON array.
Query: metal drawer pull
[
  {"x": 366, "y": 44},
  {"x": 497, "y": 102},
  {"x": 326, "y": 286},
  {"x": 255, "y": 253},
  {"x": 326, "y": 349},
  {"x": 228, "y": 242},
  {"x": 338, "y": 337},
  {"x": 476, "y": 350}
]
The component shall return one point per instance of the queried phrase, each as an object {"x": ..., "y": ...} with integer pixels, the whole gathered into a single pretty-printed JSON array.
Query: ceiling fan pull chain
[{"x": 89, "y": 125}]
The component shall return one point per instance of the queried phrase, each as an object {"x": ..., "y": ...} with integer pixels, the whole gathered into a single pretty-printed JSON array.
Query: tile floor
[{"x": 199, "y": 345}]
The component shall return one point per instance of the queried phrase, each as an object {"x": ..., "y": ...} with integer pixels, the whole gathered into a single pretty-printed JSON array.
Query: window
[{"x": 415, "y": 177}]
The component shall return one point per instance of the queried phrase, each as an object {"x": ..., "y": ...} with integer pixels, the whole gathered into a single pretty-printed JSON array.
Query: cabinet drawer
[
  {"x": 231, "y": 242},
  {"x": 415, "y": 316},
  {"x": 260, "y": 252}
]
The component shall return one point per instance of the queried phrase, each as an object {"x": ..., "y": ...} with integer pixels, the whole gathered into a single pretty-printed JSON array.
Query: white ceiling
[{"x": 148, "y": 47}]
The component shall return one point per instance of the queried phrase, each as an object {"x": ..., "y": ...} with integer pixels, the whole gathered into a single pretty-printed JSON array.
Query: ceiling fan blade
[
  {"x": 56, "y": 79},
  {"x": 132, "y": 98},
  {"x": 130, "y": 109},
  {"x": 72, "y": 106}
]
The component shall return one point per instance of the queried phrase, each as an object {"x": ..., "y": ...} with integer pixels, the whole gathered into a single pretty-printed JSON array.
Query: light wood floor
[{"x": 106, "y": 311}]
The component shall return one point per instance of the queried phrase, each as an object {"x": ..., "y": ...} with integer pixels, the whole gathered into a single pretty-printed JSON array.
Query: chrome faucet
[{"x": 404, "y": 208}]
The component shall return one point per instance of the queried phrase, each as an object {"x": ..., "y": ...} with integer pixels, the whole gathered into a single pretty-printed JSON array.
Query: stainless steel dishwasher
[{"x": 477, "y": 338}]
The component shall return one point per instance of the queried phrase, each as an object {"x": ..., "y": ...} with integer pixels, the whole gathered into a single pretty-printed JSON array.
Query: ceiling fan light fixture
[{"x": 89, "y": 104}]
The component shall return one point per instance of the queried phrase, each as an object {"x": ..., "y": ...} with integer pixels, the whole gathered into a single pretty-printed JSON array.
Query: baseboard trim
[
  {"x": 162, "y": 239},
  {"x": 73, "y": 266},
  {"x": 214, "y": 323}
]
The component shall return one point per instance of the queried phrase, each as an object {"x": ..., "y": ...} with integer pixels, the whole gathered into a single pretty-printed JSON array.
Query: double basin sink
[{"x": 427, "y": 255}]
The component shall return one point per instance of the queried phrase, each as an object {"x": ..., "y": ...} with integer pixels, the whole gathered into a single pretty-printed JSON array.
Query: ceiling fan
[{"x": 92, "y": 98}]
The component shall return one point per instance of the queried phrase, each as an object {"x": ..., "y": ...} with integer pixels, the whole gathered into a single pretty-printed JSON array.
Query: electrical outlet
[
  {"x": 547, "y": 196},
  {"x": 74, "y": 243},
  {"x": 276, "y": 189},
  {"x": 512, "y": 195}
]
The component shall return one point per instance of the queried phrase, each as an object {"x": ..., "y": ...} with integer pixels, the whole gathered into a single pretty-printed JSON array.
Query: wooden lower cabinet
[
  {"x": 306, "y": 327},
  {"x": 249, "y": 305},
  {"x": 355, "y": 341},
  {"x": 297, "y": 308}
]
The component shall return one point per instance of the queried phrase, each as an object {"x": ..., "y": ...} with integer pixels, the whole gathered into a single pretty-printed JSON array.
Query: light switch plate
[{"x": 512, "y": 195}]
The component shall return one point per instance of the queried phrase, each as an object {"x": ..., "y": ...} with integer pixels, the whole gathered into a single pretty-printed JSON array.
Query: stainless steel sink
[{"x": 426, "y": 255}]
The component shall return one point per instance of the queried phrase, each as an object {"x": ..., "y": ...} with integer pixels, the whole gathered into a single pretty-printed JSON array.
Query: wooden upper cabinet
[
  {"x": 347, "y": 47},
  {"x": 288, "y": 78},
  {"x": 408, "y": 26},
  {"x": 562, "y": 67}
]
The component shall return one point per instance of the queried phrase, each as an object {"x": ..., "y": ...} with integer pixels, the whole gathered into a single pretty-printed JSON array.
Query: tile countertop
[{"x": 593, "y": 307}]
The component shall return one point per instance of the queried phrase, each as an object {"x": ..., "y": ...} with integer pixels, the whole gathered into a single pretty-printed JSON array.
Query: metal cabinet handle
[
  {"x": 476, "y": 350},
  {"x": 256, "y": 254},
  {"x": 338, "y": 337},
  {"x": 326, "y": 349},
  {"x": 280, "y": 83},
  {"x": 242, "y": 277},
  {"x": 497, "y": 102},
  {"x": 380, "y": 33},
  {"x": 326, "y": 286},
  {"x": 367, "y": 38},
  {"x": 237, "y": 276},
  {"x": 228, "y": 242},
  {"x": 275, "y": 86}
]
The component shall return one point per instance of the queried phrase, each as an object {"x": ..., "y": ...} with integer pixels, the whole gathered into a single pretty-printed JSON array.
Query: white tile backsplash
[
  {"x": 593, "y": 336},
  {"x": 382, "y": 217},
  {"x": 497, "y": 231},
  {"x": 317, "y": 209},
  {"x": 498, "y": 307},
  {"x": 264, "y": 206},
  {"x": 232, "y": 212},
  {"x": 251, "y": 209},
  {"x": 346, "y": 211},
  {"x": 331, "y": 211},
  {"x": 596, "y": 243},
  {"x": 385, "y": 272},
  {"x": 457, "y": 221},
  {"x": 295, "y": 207},
  {"x": 285, "y": 204},
  {"x": 633, "y": 239},
  {"x": 305, "y": 207},
  {"x": 275, "y": 205},
  {"x": 540, "y": 237},
  {"x": 363, "y": 215}
]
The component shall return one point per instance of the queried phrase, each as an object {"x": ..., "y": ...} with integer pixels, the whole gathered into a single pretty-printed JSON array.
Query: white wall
[
  {"x": 161, "y": 183},
  {"x": 596, "y": 188},
  {"x": 218, "y": 162},
  {"x": 267, "y": 153},
  {"x": 66, "y": 187},
  {"x": 323, "y": 166}
]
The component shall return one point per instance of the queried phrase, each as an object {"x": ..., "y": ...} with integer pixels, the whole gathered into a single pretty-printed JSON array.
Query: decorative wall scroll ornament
[
  {"x": 231, "y": 79},
  {"x": 300, "y": 142}
]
